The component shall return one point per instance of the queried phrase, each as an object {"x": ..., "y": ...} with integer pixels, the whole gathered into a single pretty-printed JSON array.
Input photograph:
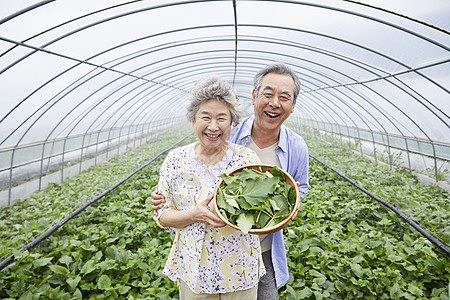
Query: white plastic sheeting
[{"x": 72, "y": 69}]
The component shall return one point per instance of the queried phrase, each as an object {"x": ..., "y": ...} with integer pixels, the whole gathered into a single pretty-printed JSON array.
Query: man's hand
[{"x": 158, "y": 200}]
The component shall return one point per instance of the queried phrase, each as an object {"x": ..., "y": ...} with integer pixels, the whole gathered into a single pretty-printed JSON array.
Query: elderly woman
[{"x": 208, "y": 259}]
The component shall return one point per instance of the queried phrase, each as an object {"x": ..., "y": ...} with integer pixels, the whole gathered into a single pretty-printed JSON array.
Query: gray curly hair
[{"x": 213, "y": 87}]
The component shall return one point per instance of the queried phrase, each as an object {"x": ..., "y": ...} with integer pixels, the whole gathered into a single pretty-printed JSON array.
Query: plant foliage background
[{"x": 342, "y": 245}]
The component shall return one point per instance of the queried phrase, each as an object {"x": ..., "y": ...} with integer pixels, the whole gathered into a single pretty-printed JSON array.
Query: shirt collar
[
  {"x": 247, "y": 127},
  {"x": 283, "y": 141},
  {"x": 247, "y": 132}
]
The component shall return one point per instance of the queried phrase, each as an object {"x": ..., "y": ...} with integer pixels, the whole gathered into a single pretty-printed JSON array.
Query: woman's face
[{"x": 212, "y": 123}]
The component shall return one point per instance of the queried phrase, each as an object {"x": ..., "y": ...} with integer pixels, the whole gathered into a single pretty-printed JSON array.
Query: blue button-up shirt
[{"x": 293, "y": 155}]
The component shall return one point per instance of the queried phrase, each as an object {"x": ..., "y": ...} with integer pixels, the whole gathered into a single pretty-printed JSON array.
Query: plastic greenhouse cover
[{"x": 73, "y": 67}]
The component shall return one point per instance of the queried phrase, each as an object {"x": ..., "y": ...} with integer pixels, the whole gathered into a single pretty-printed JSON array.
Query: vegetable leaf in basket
[{"x": 255, "y": 199}]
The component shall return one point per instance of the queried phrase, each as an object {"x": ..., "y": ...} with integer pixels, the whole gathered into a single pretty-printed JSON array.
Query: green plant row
[
  {"x": 427, "y": 205},
  {"x": 345, "y": 245},
  {"x": 111, "y": 249},
  {"x": 22, "y": 222},
  {"x": 342, "y": 245}
]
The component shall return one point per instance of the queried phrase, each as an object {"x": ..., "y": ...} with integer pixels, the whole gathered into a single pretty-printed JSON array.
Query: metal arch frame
[
  {"x": 363, "y": 85},
  {"x": 132, "y": 80},
  {"x": 136, "y": 110},
  {"x": 86, "y": 74},
  {"x": 52, "y": 99},
  {"x": 364, "y": 16},
  {"x": 179, "y": 100},
  {"x": 360, "y": 117},
  {"x": 311, "y": 112},
  {"x": 367, "y": 100},
  {"x": 348, "y": 117},
  {"x": 349, "y": 107},
  {"x": 94, "y": 65},
  {"x": 324, "y": 106},
  {"x": 409, "y": 69},
  {"x": 402, "y": 112},
  {"x": 112, "y": 126},
  {"x": 395, "y": 76},
  {"x": 380, "y": 124},
  {"x": 383, "y": 113},
  {"x": 378, "y": 20},
  {"x": 235, "y": 15},
  {"x": 133, "y": 122},
  {"x": 80, "y": 62},
  {"x": 42, "y": 3},
  {"x": 315, "y": 72},
  {"x": 41, "y": 48},
  {"x": 397, "y": 15},
  {"x": 106, "y": 84},
  {"x": 293, "y": 2},
  {"x": 395, "y": 107},
  {"x": 278, "y": 41},
  {"x": 118, "y": 88},
  {"x": 234, "y": 6}
]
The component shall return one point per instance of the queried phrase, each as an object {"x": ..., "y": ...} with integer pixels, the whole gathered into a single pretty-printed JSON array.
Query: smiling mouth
[
  {"x": 212, "y": 136},
  {"x": 271, "y": 115}
]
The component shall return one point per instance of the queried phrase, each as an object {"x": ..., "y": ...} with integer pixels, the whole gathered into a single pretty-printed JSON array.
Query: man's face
[{"x": 274, "y": 102}]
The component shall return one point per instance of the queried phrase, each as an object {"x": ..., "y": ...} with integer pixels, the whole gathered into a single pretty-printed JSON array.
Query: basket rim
[{"x": 260, "y": 231}]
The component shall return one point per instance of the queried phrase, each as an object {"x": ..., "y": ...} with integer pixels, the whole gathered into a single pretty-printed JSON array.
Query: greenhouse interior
[{"x": 93, "y": 98}]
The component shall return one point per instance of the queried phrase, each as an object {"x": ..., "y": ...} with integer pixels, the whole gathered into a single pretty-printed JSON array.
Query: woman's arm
[{"x": 199, "y": 213}]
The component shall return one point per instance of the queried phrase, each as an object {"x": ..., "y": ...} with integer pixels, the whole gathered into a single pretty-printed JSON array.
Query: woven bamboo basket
[{"x": 274, "y": 228}]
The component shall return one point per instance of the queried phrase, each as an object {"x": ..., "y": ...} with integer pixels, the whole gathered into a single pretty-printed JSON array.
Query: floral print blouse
[{"x": 209, "y": 260}]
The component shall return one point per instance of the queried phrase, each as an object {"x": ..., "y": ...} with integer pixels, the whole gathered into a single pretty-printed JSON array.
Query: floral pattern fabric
[{"x": 209, "y": 260}]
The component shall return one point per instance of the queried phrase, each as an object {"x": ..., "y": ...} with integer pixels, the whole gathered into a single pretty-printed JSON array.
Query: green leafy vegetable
[
  {"x": 255, "y": 199},
  {"x": 342, "y": 245}
]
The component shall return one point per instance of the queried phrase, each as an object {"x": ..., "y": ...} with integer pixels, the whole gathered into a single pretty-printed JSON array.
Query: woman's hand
[
  {"x": 203, "y": 214},
  {"x": 198, "y": 213}
]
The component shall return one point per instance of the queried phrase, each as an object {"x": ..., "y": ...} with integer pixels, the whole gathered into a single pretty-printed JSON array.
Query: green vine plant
[
  {"x": 395, "y": 158},
  {"x": 442, "y": 174}
]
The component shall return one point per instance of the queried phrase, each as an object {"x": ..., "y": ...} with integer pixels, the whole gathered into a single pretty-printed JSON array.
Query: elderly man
[{"x": 275, "y": 91}]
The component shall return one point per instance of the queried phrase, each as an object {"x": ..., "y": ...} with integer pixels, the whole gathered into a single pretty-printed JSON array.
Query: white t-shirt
[{"x": 267, "y": 156}]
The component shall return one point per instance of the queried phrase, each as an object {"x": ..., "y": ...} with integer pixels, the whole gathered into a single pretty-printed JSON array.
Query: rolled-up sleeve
[{"x": 164, "y": 189}]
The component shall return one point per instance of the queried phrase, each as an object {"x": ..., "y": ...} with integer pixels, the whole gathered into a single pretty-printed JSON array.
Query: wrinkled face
[
  {"x": 212, "y": 123},
  {"x": 274, "y": 102}
]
